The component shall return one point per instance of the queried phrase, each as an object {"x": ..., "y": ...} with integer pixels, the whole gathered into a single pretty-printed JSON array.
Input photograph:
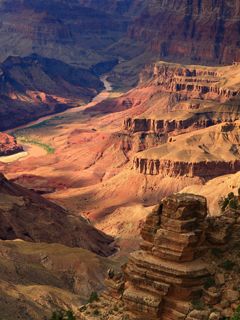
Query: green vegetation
[
  {"x": 217, "y": 252},
  {"x": 227, "y": 265},
  {"x": 96, "y": 312},
  {"x": 63, "y": 315},
  {"x": 236, "y": 315},
  {"x": 93, "y": 297},
  {"x": 231, "y": 201},
  {"x": 48, "y": 148},
  {"x": 210, "y": 282},
  {"x": 198, "y": 304}
]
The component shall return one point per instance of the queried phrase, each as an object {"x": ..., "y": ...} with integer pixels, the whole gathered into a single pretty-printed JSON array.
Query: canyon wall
[
  {"x": 197, "y": 31},
  {"x": 202, "y": 169}
]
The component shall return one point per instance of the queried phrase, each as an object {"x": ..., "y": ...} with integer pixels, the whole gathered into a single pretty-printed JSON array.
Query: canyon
[{"x": 119, "y": 143}]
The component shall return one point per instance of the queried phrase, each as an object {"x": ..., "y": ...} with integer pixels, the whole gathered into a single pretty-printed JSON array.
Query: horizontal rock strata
[
  {"x": 168, "y": 271},
  {"x": 204, "y": 169}
]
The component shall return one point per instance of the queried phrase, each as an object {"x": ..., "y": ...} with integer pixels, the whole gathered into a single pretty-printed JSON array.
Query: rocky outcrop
[
  {"x": 140, "y": 141},
  {"x": 198, "y": 30},
  {"x": 8, "y": 145},
  {"x": 203, "y": 169},
  {"x": 194, "y": 82},
  {"x": 168, "y": 126},
  {"x": 27, "y": 216},
  {"x": 186, "y": 268},
  {"x": 168, "y": 271}
]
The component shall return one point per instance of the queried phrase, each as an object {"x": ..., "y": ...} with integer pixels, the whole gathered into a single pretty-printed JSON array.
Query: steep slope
[
  {"x": 34, "y": 86},
  {"x": 72, "y": 31},
  {"x": 200, "y": 31},
  {"x": 38, "y": 278},
  {"x": 26, "y": 215}
]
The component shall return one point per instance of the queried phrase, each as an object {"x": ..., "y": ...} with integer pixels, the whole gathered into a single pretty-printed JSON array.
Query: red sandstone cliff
[{"x": 198, "y": 30}]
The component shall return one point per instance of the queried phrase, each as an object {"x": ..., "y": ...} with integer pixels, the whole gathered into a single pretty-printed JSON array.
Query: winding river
[
  {"x": 103, "y": 95},
  {"x": 31, "y": 149}
]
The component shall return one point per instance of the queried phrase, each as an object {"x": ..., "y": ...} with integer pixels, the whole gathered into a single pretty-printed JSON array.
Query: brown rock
[
  {"x": 164, "y": 278},
  {"x": 231, "y": 295}
]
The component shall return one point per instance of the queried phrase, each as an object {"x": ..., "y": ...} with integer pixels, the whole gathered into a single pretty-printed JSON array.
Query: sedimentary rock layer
[
  {"x": 198, "y": 30},
  {"x": 203, "y": 169},
  {"x": 168, "y": 271}
]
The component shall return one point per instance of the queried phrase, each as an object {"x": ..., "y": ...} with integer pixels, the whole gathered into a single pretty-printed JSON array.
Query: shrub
[
  {"x": 227, "y": 265},
  {"x": 233, "y": 203},
  {"x": 210, "y": 282},
  {"x": 63, "y": 315},
  {"x": 217, "y": 252},
  {"x": 93, "y": 297},
  {"x": 198, "y": 304},
  {"x": 96, "y": 312},
  {"x": 230, "y": 201},
  {"x": 236, "y": 315}
]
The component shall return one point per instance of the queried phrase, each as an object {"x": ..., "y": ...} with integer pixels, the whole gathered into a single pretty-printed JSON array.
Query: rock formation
[
  {"x": 8, "y": 145},
  {"x": 168, "y": 271},
  {"x": 199, "y": 31},
  {"x": 202, "y": 169},
  {"x": 55, "y": 29},
  {"x": 193, "y": 154},
  {"x": 26, "y": 215},
  {"x": 187, "y": 267}
]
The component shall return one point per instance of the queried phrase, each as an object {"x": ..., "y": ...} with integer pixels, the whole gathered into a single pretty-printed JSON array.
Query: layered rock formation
[
  {"x": 8, "y": 145},
  {"x": 34, "y": 86},
  {"x": 72, "y": 31},
  {"x": 195, "y": 81},
  {"x": 200, "y": 31},
  {"x": 168, "y": 272},
  {"x": 26, "y": 215},
  {"x": 203, "y": 169},
  {"x": 187, "y": 267},
  {"x": 190, "y": 89},
  {"x": 194, "y": 154}
]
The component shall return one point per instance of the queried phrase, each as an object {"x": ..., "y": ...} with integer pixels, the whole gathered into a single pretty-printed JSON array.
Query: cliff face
[
  {"x": 202, "y": 169},
  {"x": 196, "y": 82},
  {"x": 168, "y": 272},
  {"x": 61, "y": 29},
  {"x": 173, "y": 99},
  {"x": 178, "y": 272},
  {"x": 199, "y": 31},
  {"x": 193, "y": 154}
]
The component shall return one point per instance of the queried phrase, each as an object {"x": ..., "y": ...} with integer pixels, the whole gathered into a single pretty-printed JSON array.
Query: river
[
  {"x": 31, "y": 149},
  {"x": 103, "y": 95}
]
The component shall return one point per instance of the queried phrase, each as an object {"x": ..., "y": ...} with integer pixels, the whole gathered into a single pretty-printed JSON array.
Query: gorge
[{"x": 119, "y": 160}]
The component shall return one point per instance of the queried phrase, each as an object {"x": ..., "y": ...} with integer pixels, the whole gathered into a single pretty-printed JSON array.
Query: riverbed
[{"x": 103, "y": 95}]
